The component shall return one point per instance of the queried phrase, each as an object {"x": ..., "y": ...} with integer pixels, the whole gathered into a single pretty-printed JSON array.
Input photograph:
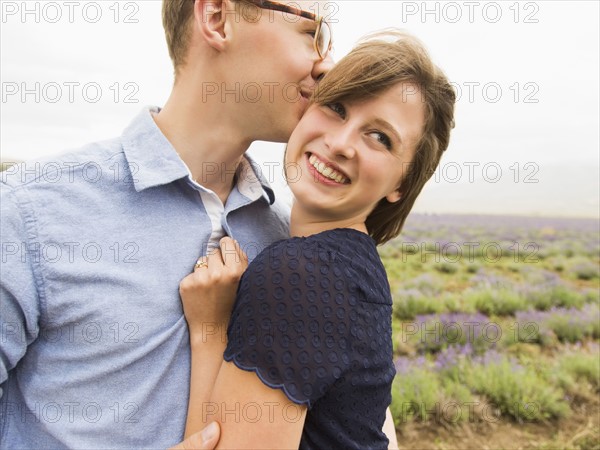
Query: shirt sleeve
[
  {"x": 289, "y": 323},
  {"x": 19, "y": 300}
]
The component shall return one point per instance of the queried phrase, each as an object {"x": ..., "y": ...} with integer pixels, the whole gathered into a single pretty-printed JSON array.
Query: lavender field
[{"x": 496, "y": 332}]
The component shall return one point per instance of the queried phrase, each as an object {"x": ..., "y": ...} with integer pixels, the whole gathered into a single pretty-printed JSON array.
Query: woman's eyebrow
[{"x": 388, "y": 127}]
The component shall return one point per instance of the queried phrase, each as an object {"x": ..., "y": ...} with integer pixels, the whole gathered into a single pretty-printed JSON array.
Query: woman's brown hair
[{"x": 378, "y": 63}]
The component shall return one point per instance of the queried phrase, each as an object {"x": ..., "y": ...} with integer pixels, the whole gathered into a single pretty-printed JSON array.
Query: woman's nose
[{"x": 341, "y": 142}]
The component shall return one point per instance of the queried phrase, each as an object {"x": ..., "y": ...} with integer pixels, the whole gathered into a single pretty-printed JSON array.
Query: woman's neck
[{"x": 304, "y": 224}]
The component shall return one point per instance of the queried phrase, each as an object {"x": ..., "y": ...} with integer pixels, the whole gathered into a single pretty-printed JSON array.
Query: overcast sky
[{"x": 527, "y": 74}]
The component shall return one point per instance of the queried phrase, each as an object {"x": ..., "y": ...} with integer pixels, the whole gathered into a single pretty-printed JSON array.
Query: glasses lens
[{"x": 323, "y": 39}]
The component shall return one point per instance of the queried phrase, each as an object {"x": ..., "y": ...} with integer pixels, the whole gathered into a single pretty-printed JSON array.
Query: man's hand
[{"x": 203, "y": 440}]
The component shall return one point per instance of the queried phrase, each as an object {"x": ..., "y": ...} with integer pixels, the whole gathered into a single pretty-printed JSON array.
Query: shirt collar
[
  {"x": 250, "y": 179},
  {"x": 151, "y": 158},
  {"x": 154, "y": 162}
]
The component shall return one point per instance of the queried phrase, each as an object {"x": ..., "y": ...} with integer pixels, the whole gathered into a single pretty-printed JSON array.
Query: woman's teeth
[{"x": 326, "y": 171}]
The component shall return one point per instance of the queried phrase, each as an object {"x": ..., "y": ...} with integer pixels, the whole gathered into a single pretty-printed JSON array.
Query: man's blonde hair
[{"x": 177, "y": 18}]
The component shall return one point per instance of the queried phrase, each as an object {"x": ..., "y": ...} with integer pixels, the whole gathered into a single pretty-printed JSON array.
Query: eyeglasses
[{"x": 322, "y": 40}]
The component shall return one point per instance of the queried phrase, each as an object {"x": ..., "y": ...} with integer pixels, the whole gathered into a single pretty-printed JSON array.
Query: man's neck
[{"x": 206, "y": 136}]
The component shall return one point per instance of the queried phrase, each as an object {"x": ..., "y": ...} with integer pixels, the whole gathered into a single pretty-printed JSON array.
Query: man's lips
[
  {"x": 305, "y": 94},
  {"x": 306, "y": 91}
]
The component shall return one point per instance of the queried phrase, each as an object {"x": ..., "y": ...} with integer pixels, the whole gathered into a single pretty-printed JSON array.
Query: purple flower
[
  {"x": 439, "y": 330},
  {"x": 491, "y": 356},
  {"x": 406, "y": 365},
  {"x": 452, "y": 355},
  {"x": 485, "y": 278}
]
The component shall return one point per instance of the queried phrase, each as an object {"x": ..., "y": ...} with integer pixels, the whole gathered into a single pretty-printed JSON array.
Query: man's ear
[
  {"x": 209, "y": 19},
  {"x": 394, "y": 196}
]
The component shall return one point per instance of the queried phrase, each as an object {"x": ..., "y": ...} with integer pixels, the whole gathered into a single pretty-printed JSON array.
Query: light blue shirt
[{"x": 94, "y": 349}]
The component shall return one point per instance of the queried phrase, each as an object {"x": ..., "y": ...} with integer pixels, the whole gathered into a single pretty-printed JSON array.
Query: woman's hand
[{"x": 208, "y": 293}]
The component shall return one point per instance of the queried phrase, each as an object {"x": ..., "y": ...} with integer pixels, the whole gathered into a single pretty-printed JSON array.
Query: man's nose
[{"x": 322, "y": 67}]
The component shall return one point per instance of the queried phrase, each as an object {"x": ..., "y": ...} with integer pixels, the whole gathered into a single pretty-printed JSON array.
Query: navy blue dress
[{"x": 313, "y": 318}]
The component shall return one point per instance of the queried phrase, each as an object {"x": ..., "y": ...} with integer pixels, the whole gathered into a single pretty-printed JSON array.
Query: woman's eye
[
  {"x": 383, "y": 139},
  {"x": 337, "y": 108}
]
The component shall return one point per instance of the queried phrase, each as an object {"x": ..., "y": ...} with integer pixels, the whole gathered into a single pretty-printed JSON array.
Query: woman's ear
[
  {"x": 394, "y": 196},
  {"x": 209, "y": 19}
]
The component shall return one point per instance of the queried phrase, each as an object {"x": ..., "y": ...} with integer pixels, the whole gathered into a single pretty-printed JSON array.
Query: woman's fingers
[
  {"x": 226, "y": 259},
  {"x": 234, "y": 258},
  {"x": 215, "y": 260},
  {"x": 229, "y": 252},
  {"x": 241, "y": 253},
  {"x": 208, "y": 293}
]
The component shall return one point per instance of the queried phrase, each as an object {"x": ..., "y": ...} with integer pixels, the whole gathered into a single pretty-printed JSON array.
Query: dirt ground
[{"x": 580, "y": 431}]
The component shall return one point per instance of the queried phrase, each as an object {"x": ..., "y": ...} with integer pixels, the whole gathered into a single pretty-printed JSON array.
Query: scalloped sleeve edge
[{"x": 259, "y": 374}]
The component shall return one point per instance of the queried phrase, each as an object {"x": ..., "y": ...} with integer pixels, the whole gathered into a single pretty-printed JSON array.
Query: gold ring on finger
[{"x": 200, "y": 264}]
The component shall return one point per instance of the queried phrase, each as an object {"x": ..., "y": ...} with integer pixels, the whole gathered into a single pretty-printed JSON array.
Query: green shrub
[
  {"x": 586, "y": 270},
  {"x": 517, "y": 391},
  {"x": 454, "y": 303},
  {"x": 592, "y": 296},
  {"x": 565, "y": 329},
  {"x": 546, "y": 297},
  {"x": 582, "y": 366},
  {"x": 495, "y": 301},
  {"x": 414, "y": 393},
  {"x": 566, "y": 324},
  {"x": 410, "y": 303},
  {"x": 567, "y": 298},
  {"x": 447, "y": 267},
  {"x": 540, "y": 299},
  {"x": 473, "y": 268},
  {"x": 422, "y": 394}
]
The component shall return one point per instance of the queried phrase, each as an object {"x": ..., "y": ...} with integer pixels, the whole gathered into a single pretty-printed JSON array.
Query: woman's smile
[{"x": 324, "y": 171}]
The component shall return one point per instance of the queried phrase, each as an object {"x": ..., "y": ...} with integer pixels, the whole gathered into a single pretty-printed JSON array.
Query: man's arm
[
  {"x": 19, "y": 299},
  {"x": 390, "y": 430}
]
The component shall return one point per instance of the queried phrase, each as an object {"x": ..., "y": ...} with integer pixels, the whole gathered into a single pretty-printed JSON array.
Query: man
[
  {"x": 206, "y": 439},
  {"x": 94, "y": 346}
]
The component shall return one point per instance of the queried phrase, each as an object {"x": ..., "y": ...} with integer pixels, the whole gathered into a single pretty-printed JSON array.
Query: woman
[{"x": 307, "y": 359}]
